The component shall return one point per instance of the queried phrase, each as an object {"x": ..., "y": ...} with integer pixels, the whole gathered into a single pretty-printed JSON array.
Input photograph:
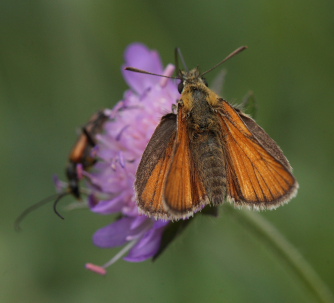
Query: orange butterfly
[{"x": 208, "y": 153}]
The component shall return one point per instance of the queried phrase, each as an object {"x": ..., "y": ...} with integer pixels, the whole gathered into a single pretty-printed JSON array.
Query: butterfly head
[{"x": 191, "y": 80}]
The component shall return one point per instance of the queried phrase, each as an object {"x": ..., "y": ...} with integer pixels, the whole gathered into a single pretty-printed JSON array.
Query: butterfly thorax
[
  {"x": 196, "y": 93},
  {"x": 199, "y": 103}
]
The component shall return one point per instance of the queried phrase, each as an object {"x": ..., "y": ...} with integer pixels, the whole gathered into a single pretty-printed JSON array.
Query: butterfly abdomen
[
  {"x": 206, "y": 147},
  {"x": 208, "y": 159}
]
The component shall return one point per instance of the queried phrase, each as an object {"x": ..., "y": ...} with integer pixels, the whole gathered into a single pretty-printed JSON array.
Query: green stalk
[{"x": 277, "y": 242}]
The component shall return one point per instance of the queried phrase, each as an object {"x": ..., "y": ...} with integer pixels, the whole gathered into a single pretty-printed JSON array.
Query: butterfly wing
[
  {"x": 153, "y": 168},
  {"x": 184, "y": 192},
  {"x": 265, "y": 140},
  {"x": 258, "y": 174}
]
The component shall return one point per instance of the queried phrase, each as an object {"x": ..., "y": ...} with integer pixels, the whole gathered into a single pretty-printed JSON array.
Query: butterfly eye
[{"x": 180, "y": 87}]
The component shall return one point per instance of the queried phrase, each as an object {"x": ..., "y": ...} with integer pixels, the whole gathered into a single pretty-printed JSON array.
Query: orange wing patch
[
  {"x": 151, "y": 198},
  {"x": 184, "y": 191},
  {"x": 254, "y": 177}
]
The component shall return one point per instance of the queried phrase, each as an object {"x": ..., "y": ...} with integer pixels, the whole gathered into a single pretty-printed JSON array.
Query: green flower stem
[{"x": 276, "y": 241}]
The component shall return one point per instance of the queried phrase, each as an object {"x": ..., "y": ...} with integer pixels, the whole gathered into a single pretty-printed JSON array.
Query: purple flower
[{"x": 119, "y": 150}]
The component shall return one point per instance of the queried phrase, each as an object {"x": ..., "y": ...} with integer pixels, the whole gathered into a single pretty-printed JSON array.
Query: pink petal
[
  {"x": 148, "y": 246},
  {"x": 106, "y": 207},
  {"x": 139, "y": 56},
  {"x": 114, "y": 234}
]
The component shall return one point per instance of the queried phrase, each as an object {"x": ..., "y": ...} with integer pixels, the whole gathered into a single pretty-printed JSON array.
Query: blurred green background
[{"x": 60, "y": 62}]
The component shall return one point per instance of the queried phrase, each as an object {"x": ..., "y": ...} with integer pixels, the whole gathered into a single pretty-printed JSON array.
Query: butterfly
[{"x": 209, "y": 152}]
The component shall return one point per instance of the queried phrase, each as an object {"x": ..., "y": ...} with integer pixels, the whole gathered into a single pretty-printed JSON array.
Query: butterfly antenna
[
  {"x": 176, "y": 58},
  {"x": 178, "y": 54},
  {"x": 237, "y": 51},
  {"x": 34, "y": 207},
  {"x": 137, "y": 70}
]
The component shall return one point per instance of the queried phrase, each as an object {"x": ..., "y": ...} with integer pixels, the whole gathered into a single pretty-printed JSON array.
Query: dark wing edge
[{"x": 155, "y": 152}]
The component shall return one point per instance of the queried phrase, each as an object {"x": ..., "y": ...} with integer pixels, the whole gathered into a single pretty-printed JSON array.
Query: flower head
[{"x": 119, "y": 150}]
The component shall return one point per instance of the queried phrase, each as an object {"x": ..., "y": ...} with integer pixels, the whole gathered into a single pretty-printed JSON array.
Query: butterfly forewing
[
  {"x": 153, "y": 168},
  {"x": 265, "y": 140},
  {"x": 258, "y": 174},
  {"x": 184, "y": 191}
]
